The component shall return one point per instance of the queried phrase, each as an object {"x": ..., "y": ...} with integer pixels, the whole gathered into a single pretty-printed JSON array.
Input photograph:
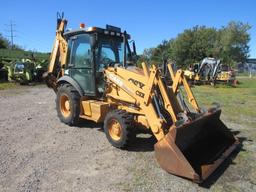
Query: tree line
[
  {"x": 6, "y": 44},
  {"x": 229, "y": 43}
]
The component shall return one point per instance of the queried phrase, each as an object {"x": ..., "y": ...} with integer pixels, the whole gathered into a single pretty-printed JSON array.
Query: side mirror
[
  {"x": 134, "y": 52},
  {"x": 134, "y": 48}
]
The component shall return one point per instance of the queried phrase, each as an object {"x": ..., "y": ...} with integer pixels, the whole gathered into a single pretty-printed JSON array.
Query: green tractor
[
  {"x": 40, "y": 68},
  {"x": 21, "y": 71},
  {"x": 3, "y": 72},
  {"x": 13, "y": 66}
]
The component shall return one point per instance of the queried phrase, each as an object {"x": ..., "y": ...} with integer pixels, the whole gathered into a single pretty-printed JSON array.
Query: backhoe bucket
[{"x": 195, "y": 149}]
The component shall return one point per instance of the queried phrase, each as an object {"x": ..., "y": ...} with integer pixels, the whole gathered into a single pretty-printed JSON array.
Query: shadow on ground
[
  {"x": 229, "y": 161},
  {"x": 144, "y": 140},
  {"x": 83, "y": 123},
  {"x": 143, "y": 143}
]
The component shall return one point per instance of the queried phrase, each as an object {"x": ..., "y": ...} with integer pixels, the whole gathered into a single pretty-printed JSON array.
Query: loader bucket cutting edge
[{"x": 194, "y": 150}]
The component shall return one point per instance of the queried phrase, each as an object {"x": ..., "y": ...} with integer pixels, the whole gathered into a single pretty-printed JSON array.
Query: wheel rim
[
  {"x": 65, "y": 105},
  {"x": 114, "y": 129}
]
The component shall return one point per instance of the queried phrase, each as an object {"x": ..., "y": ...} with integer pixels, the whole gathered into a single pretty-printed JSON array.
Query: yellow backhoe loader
[{"x": 92, "y": 72}]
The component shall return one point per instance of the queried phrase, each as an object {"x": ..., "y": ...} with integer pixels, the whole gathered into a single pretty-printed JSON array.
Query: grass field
[
  {"x": 6, "y": 85},
  {"x": 238, "y": 104}
]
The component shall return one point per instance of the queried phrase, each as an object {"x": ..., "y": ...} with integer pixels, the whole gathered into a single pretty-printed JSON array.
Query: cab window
[
  {"x": 107, "y": 52},
  {"x": 81, "y": 52}
]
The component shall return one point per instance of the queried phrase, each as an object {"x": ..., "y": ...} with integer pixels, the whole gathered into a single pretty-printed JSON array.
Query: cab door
[{"x": 81, "y": 63}]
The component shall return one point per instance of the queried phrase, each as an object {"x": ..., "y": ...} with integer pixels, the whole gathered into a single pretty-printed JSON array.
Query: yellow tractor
[{"x": 92, "y": 72}]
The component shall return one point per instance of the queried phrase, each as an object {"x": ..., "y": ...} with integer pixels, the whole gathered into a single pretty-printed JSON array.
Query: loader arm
[
  {"x": 179, "y": 79},
  {"x": 115, "y": 80},
  {"x": 143, "y": 97},
  {"x": 58, "y": 56}
]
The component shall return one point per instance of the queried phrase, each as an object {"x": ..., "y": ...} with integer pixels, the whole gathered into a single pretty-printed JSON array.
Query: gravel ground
[{"x": 39, "y": 153}]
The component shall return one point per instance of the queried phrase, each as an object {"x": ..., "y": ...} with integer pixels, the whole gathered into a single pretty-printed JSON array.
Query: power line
[
  {"x": 25, "y": 38},
  {"x": 11, "y": 30},
  {"x": 17, "y": 34}
]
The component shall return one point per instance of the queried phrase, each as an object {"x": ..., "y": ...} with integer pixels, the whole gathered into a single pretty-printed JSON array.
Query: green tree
[
  {"x": 156, "y": 55},
  {"x": 4, "y": 43},
  {"x": 230, "y": 44},
  {"x": 193, "y": 45},
  {"x": 160, "y": 53},
  {"x": 234, "y": 39},
  {"x": 146, "y": 56}
]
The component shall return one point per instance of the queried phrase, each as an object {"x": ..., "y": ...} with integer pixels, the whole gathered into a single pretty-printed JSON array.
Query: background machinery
[
  {"x": 22, "y": 66},
  {"x": 21, "y": 71},
  {"x": 92, "y": 72},
  {"x": 3, "y": 71},
  {"x": 210, "y": 71}
]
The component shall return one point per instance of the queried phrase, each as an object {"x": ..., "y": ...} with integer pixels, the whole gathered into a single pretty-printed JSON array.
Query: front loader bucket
[{"x": 194, "y": 150}]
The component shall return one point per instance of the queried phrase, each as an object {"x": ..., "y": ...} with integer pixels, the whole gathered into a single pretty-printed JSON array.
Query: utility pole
[
  {"x": 11, "y": 24},
  {"x": 11, "y": 30}
]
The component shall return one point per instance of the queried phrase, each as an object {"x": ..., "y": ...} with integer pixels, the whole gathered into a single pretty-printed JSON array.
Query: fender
[{"x": 72, "y": 82}]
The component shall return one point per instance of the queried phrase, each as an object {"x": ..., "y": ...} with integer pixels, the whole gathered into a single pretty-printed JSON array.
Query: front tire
[
  {"x": 118, "y": 125},
  {"x": 68, "y": 104}
]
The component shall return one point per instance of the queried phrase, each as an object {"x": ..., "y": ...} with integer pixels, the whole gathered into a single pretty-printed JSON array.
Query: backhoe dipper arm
[
  {"x": 215, "y": 70},
  {"x": 58, "y": 56}
]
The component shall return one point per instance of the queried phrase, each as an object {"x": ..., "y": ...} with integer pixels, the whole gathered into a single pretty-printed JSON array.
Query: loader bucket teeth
[{"x": 195, "y": 149}]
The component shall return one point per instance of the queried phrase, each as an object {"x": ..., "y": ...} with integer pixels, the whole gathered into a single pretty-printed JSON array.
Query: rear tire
[
  {"x": 68, "y": 104},
  {"x": 118, "y": 125}
]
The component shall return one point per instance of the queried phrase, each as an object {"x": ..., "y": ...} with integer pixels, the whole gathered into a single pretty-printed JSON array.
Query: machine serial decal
[
  {"x": 140, "y": 94},
  {"x": 115, "y": 79},
  {"x": 137, "y": 83}
]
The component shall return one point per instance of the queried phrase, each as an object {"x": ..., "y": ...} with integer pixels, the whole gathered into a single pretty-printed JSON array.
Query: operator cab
[
  {"x": 19, "y": 68},
  {"x": 92, "y": 50}
]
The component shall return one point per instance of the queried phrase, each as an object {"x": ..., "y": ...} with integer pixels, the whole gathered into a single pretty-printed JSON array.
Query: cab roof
[{"x": 109, "y": 31}]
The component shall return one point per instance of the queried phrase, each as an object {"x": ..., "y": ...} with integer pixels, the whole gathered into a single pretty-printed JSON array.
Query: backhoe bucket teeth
[{"x": 195, "y": 149}]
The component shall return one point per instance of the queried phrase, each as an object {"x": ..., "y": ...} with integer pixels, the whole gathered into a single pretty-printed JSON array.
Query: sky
[{"x": 148, "y": 21}]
